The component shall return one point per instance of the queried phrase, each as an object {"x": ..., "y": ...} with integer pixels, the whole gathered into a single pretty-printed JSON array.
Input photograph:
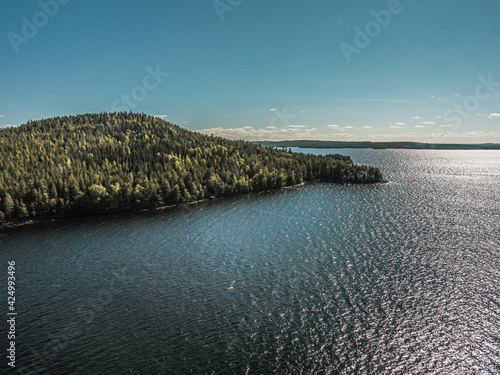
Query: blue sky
[{"x": 261, "y": 70}]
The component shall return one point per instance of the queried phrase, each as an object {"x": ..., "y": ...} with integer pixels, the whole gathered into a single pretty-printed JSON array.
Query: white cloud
[
  {"x": 467, "y": 135},
  {"x": 395, "y": 127},
  {"x": 456, "y": 94},
  {"x": 9, "y": 126},
  {"x": 273, "y": 109},
  {"x": 1, "y": 116},
  {"x": 480, "y": 114},
  {"x": 428, "y": 123},
  {"x": 333, "y": 126},
  {"x": 160, "y": 116},
  {"x": 349, "y": 127},
  {"x": 415, "y": 117},
  {"x": 217, "y": 129},
  {"x": 494, "y": 115},
  {"x": 336, "y": 137},
  {"x": 270, "y": 127},
  {"x": 440, "y": 117},
  {"x": 250, "y": 133},
  {"x": 446, "y": 126},
  {"x": 482, "y": 134},
  {"x": 185, "y": 122},
  {"x": 399, "y": 123},
  {"x": 375, "y": 100},
  {"x": 297, "y": 126}
]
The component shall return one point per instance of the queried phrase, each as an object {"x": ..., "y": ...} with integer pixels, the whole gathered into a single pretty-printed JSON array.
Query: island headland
[{"x": 102, "y": 163}]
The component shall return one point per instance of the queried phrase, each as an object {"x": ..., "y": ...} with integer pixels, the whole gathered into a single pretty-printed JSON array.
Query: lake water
[{"x": 401, "y": 278}]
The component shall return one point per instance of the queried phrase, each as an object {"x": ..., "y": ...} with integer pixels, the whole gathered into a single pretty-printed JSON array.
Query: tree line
[{"x": 112, "y": 162}]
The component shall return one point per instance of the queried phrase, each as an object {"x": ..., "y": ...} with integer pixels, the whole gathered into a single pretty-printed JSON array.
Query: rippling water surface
[{"x": 402, "y": 278}]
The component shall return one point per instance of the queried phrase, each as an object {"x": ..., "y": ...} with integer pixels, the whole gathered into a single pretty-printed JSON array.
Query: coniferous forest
[{"x": 113, "y": 162}]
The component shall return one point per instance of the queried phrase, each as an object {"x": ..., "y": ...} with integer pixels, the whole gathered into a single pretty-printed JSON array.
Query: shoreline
[{"x": 29, "y": 222}]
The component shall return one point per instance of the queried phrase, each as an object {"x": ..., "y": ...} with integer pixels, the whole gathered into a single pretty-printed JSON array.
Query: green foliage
[{"x": 112, "y": 162}]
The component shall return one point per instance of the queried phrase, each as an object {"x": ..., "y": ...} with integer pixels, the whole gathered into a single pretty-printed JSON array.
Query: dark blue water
[{"x": 401, "y": 278}]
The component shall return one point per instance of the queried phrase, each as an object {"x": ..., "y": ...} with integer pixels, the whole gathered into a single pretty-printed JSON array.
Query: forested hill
[{"x": 113, "y": 162}]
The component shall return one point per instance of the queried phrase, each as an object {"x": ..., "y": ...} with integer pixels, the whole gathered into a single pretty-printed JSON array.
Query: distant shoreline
[
  {"x": 380, "y": 145},
  {"x": 28, "y": 222}
]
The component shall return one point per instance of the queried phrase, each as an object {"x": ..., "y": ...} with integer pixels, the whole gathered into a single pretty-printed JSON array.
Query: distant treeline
[
  {"x": 113, "y": 162},
  {"x": 381, "y": 145}
]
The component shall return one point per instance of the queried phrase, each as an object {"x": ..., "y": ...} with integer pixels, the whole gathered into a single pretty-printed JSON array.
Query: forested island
[
  {"x": 380, "y": 145},
  {"x": 114, "y": 162}
]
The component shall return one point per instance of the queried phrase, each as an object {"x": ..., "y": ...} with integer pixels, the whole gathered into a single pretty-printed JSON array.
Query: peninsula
[{"x": 115, "y": 162}]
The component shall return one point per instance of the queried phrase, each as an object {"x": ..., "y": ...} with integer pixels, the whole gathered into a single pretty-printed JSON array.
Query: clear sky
[{"x": 425, "y": 70}]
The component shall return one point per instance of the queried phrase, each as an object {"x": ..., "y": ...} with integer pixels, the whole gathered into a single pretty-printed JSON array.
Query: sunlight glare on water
[{"x": 389, "y": 279}]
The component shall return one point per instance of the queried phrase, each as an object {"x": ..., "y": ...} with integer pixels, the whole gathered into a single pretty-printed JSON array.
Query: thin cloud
[
  {"x": 257, "y": 134},
  {"x": 428, "y": 123},
  {"x": 336, "y": 137},
  {"x": 471, "y": 134},
  {"x": 160, "y": 116},
  {"x": 10, "y": 126},
  {"x": 367, "y": 127},
  {"x": 273, "y": 109},
  {"x": 1, "y": 116},
  {"x": 494, "y": 115},
  {"x": 395, "y": 127},
  {"x": 419, "y": 126},
  {"x": 297, "y": 126},
  {"x": 399, "y": 123},
  {"x": 375, "y": 100},
  {"x": 446, "y": 126},
  {"x": 415, "y": 117},
  {"x": 333, "y": 126},
  {"x": 349, "y": 127}
]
